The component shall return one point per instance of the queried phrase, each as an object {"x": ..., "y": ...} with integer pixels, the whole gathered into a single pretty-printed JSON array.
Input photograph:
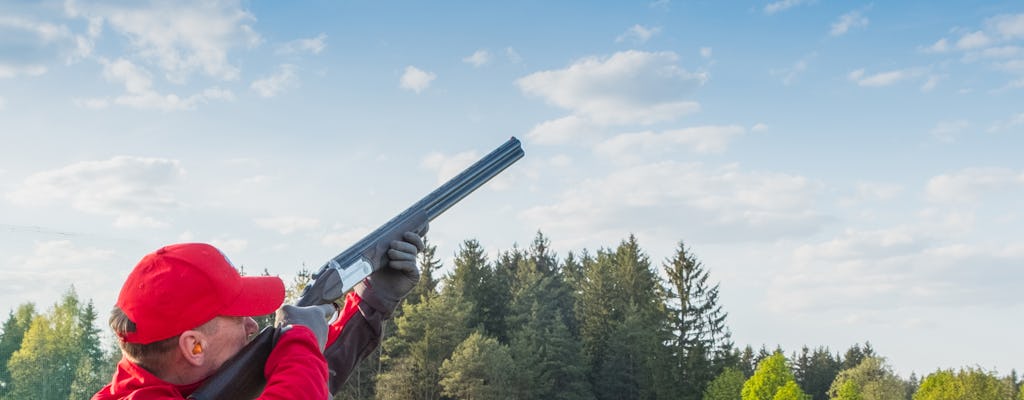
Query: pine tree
[
  {"x": 428, "y": 264},
  {"x": 477, "y": 369},
  {"x": 726, "y": 386},
  {"x": 14, "y": 329},
  {"x": 426, "y": 335},
  {"x": 700, "y": 340}
]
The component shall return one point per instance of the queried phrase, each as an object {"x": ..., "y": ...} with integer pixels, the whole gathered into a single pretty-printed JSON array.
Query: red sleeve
[
  {"x": 355, "y": 334},
  {"x": 350, "y": 309},
  {"x": 296, "y": 369}
]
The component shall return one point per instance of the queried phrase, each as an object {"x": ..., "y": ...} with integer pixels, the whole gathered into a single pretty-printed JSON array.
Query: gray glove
[
  {"x": 392, "y": 283},
  {"x": 312, "y": 317}
]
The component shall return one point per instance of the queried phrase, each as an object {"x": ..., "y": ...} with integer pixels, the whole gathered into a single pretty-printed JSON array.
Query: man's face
[{"x": 227, "y": 336}]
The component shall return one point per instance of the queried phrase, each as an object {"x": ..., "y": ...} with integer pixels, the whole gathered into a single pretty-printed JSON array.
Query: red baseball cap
[{"x": 182, "y": 286}]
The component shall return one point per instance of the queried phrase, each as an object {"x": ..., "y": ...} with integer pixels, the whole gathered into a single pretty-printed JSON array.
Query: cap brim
[{"x": 261, "y": 295}]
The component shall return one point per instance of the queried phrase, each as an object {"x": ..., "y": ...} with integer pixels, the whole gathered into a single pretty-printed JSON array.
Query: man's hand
[
  {"x": 393, "y": 283},
  {"x": 312, "y": 317}
]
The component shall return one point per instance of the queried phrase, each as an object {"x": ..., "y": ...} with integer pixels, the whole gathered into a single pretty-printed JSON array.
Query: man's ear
[{"x": 190, "y": 345}]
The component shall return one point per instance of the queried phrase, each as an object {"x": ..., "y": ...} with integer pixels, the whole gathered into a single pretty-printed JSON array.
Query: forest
[{"x": 529, "y": 324}]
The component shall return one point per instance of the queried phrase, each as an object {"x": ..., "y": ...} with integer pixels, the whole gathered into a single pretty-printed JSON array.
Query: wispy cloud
[
  {"x": 284, "y": 78},
  {"x": 287, "y": 224},
  {"x": 313, "y": 45},
  {"x": 882, "y": 79},
  {"x": 850, "y": 20},
  {"x": 640, "y": 146},
  {"x": 638, "y": 34},
  {"x": 777, "y": 6},
  {"x": 969, "y": 184},
  {"x": 136, "y": 190},
  {"x": 139, "y": 91},
  {"x": 479, "y": 58},
  {"x": 415, "y": 79}
]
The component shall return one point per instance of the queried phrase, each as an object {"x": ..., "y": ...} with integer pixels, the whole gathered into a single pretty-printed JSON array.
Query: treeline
[{"x": 529, "y": 324}]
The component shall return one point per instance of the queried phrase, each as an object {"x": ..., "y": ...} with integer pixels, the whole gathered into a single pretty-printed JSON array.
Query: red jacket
[{"x": 296, "y": 369}]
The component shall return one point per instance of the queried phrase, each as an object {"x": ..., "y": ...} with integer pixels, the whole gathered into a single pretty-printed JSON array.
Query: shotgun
[{"x": 241, "y": 377}]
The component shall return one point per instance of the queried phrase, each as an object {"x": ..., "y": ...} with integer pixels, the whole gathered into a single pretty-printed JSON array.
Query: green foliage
[
  {"x": 873, "y": 380},
  {"x": 547, "y": 356},
  {"x": 772, "y": 374},
  {"x": 969, "y": 383},
  {"x": 59, "y": 351},
  {"x": 848, "y": 390},
  {"x": 700, "y": 340},
  {"x": 728, "y": 385},
  {"x": 427, "y": 334},
  {"x": 623, "y": 324},
  {"x": 815, "y": 371},
  {"x": 790, "y": 391},
  {"x": 14, "y": 329},
  {"x": 477, "y": 369}
]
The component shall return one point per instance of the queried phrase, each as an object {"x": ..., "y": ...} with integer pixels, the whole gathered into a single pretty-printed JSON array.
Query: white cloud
[
  {"x": 448, "y": 166},
  {"x": 133, "y": 189},
  {"x": 346, "y": 238},
  {"x": 1008, "y": 26},
  {"x": 1014, "y": 121},
  {"x": 940, "y": 46},
  {"x": 60, "y": 254},
  {"x": 513, "y": 55},
  {"x": 416, "y": 79},
  {"x": 288, "y": 224},
  {"x": 563, "y": 130},
  {"x": 790, "y": 74},
  {"x": 197, "y": 39},
  {"x": 14, "y": 71},
  {"x": 479, "y": 58},
  {"x": 724, "y": 204},
  {"x": 969, "y": 184},
  {"x": 930, "y": 83},
  {"x": 636, "y": 147},
  {"x": 882, "y": 79},
  {"x": 626, "y": 88},
  {"x": 309, "y": 45},
  {"x": 139, "y": 90},
  {"x": 973, "y": 40},
  {"x": 3, "y": 105},
  {"x": 282, "y": 79},
  {"x": 774, "y": 7},
  {"x": 947, "y": 131},
  {"x": 850, "y": 20},
  {"x": 907, "y": 266},
  {"x": 638, "y": 34},
  {"x": 231, "y": 246}
]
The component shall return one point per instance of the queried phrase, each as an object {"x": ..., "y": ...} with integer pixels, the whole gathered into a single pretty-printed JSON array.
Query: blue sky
[{"x": 848, "y": 171}]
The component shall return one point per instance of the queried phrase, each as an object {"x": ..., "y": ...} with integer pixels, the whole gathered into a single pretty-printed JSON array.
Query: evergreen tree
[
  {"x": 623, "y": 324},
  {"x": 473, "y": 280},
  {"x": 428, "y": 264},
  {"x": 426, "y": 335},
  {"x": 14, "y": 329},
  {"x": 747, "y": 361},
  {"x": 700, "y": 340},
  {"x": 815, "y": 371},
  {"x": 477, "y": 370},
  {"x": 856, "y": 354}
]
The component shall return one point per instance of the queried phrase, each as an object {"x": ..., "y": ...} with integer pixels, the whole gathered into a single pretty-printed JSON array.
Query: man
[{"x": 184, "y": 310}]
